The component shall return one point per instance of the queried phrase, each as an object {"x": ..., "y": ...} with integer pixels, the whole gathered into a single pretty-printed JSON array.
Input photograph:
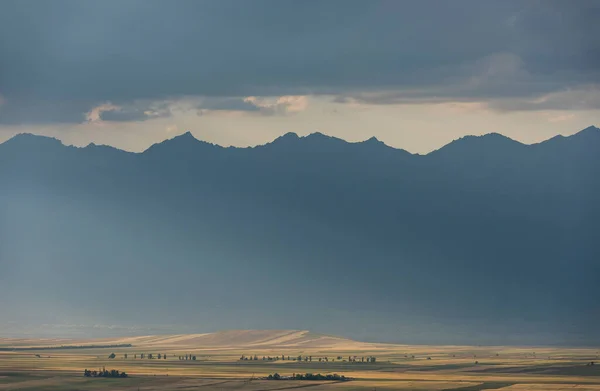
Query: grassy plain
[{"x": 217, "y": 365}]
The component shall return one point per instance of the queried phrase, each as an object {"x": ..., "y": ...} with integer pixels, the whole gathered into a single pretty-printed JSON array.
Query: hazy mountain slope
[
  {"x": 229, "y": 339},
  {"x": 259, "y": 339},
  {"x": 484, "y": 235}
]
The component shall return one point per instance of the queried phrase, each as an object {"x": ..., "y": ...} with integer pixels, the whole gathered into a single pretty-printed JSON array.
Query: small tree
[
  {"x": 193, "y": 358},
  {"x": 125, "y": 356}
]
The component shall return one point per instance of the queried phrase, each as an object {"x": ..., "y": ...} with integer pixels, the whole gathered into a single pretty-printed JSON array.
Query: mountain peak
[
  {"x": 286, "y": 139},
  {"x": 484, "y": 139},
  {"x": 288, "y": 136},
  {"x": 487, "y": 136},
  {"x": 184, "y": 143},
  {"x": 322, "y": 137},
  {"x": 319, "y": 135},
  {"x": 477, "y": 146},
  {"x": 30, "y": 140},
  {"x": 591, "y": 134},
  {"x": 373, "y": 141},
  {"x": 590, "y": 130},
  {"x": 185, "y": 136}
]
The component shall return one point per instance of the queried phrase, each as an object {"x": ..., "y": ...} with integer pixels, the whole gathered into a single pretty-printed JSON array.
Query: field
[{"x": 24, "y": 365}]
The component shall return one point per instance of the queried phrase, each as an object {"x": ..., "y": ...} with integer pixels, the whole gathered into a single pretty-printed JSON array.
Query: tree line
[
  {"x": 104, "y": 373},
  {"x": 368, "y": 359},
  {"x": 308, "y": 376},
  {"x": 149, "y": 356}
]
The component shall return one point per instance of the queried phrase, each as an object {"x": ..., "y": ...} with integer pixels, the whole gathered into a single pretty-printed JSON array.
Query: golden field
[{"x": 218, "y": 366}]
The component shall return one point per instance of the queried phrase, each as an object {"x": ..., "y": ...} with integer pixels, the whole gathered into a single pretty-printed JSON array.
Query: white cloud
[
  {"x": 288, "y": 104},
  {"x": 95, "y": 114}
]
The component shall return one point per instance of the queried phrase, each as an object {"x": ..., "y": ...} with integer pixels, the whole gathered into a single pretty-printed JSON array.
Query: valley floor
[{"x": 218, "y": 365}]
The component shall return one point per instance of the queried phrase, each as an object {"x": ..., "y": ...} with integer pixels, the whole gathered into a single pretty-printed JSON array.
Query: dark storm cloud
[
  {"x": 117, "y": 115},
  {"x": 35, "y": 111},
  {"x": 126, "y": 50}
]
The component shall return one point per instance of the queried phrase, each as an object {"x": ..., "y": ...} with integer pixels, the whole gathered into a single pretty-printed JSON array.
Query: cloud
[
  {"x": 279, "y": 106},
  {"x": 499, "y": 82},
  {"x": 36, "y": 111},
  {"x": 412, "y": 51},
  {"x": 137, "y": 111},
  {"x": 583, "y": 98},
  {"x": 282, "y": 105},
  {"x": 95, "y": 114},
  {"x": 208, "y": 105}
]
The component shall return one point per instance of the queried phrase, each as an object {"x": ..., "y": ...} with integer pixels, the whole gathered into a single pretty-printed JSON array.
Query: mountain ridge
[{"x": 291, "y": 137}]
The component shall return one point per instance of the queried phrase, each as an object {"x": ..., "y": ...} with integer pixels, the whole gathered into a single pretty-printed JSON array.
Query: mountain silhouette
[{"x": 485, "y": 240}]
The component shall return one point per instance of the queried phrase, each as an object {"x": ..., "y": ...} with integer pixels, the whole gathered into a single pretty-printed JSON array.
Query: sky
[{"x": 414, "y": 74}]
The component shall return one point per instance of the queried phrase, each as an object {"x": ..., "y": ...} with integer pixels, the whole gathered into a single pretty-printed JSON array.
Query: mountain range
[{"x": 485, "y": 240}]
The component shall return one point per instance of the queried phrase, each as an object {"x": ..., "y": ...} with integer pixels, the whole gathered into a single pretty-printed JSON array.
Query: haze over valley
[{"x": 485, "y": 240}]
